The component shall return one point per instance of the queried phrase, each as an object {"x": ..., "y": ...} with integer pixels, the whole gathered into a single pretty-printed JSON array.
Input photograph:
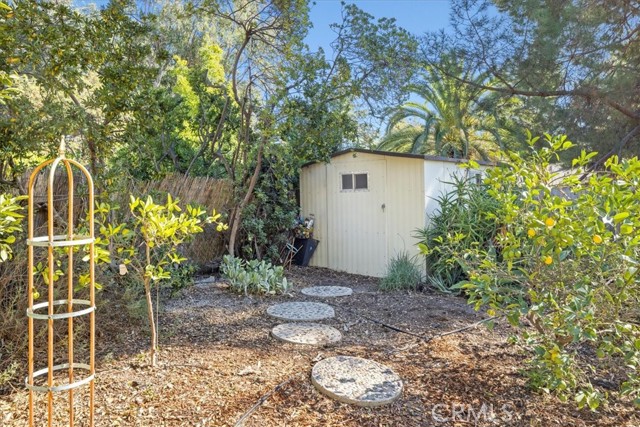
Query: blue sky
[{"x": 416, "y": 16}]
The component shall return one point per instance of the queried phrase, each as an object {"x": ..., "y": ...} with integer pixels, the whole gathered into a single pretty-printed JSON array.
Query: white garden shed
[{"x": 367, "y": 205}]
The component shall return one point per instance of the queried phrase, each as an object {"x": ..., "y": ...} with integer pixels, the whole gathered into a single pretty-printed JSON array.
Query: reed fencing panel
[{"x": 211, "y": 193}]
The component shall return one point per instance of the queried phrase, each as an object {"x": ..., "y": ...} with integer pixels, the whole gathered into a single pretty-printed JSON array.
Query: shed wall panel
[
  {"x": 404, "y": 204},
  {"x": 437, "y": 179}
]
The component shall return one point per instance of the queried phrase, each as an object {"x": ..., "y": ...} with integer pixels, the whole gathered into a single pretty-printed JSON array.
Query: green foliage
[
  {"x": 574, "y": 65},
  {"x": 6, "y": 91},
  {"x": 453, "y": 120},
  {"x": 181, "y": 276},
  {"x": 463, "y": 221},
  {"x": 402, "y": 273},
  {"x": 149, "y": 243},
  {"x": 254, "y": 276},
  {"x": 10, "y": 224},
  {"x": 6, "y": 79},
  {"x": 9, "y": 373},
  {"x": 375, "y": 59},
  {"x": 209, "y": 91},
  {"x": 565, "y": 263},
  {"x": 162, "y": 228},
  {"x": 270, "y": 216},
  {"x": 76, "y": 73}
]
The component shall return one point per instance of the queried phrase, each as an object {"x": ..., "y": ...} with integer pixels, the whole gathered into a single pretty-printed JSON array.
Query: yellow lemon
[
  {"x": 550, "y": 222},
  {"x": 531, "y": 232},
  {"x": 597, "y": 239},
  {"x": 548, "y": 260}
]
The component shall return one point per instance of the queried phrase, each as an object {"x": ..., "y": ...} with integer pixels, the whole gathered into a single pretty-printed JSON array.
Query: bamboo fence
[{"x": 211, "y": 193}]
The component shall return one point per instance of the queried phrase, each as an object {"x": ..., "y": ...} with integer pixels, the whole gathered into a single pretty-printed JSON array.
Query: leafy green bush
[
  {"x": 463, "y": 221},
  {"x": 181, "y": 276},
  {"x": 10, "y": 224},
  {"x": 12, "y": 288},
  {"x": 254, "y": 277},
  {"x": 402, "y": 273},
  {"x": 565, "y": 273},
  {"x": 268, "y": 219}
]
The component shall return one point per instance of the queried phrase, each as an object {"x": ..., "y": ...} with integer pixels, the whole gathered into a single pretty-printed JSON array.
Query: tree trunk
[
  {"x": 152, "y": 323},
  {"x": 236, "y": 219},
  {"x": 93, "y": 156}
]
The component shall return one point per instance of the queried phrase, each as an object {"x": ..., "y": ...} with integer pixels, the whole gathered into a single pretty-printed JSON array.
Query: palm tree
[{"x": 450, "y": 122}]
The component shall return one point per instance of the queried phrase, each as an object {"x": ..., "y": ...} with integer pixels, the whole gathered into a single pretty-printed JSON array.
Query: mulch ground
[{"x": 218, "y": 360}]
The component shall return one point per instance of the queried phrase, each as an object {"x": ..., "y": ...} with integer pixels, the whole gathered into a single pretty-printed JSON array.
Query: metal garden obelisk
[{"x": 60, "y": 304}]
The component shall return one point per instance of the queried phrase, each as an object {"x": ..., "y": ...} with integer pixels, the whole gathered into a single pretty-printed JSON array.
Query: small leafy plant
[
  {"x": 254, "y": 276},
  {"x": 10, "y": 223},
  {"x": 402, "y": 273}
]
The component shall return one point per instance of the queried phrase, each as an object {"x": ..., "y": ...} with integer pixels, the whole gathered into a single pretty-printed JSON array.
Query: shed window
[
  {"x": 347, "y": 181},
  {"x": 355, "y": 181},
  {"x": 361, "y": 181}
]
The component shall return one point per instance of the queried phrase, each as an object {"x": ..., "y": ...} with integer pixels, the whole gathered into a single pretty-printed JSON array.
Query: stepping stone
[
  {"x": 357, "y": 381},
  {"x": 306, "y": 333},
  {"x": 301, "y": 311},
  {"x": 327, "y": 291}
]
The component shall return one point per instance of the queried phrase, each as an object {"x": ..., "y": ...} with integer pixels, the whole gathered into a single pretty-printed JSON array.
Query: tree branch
[
  {"x": 587, "y": 93},
  {"x": 615, "y": 150}
]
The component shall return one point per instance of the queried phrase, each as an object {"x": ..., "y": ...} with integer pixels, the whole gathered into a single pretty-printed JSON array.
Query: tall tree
[
  {"x": 577, "y": 63},
  {"x": 286, "y": 95},
  {"x": 77, "y": 73},
  {"x": 5, "y": 79},
  {"x": 204, "y": 87},
  {"x": 451, "y": 120},
  {"x": 266, "y": 35}
]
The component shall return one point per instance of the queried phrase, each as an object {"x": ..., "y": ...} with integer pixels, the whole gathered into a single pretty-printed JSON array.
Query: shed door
[{"x": 357, "y": 218}]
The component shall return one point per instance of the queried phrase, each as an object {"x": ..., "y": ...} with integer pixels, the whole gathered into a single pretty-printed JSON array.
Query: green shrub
[
  {"x": 439, "y": 284},
  {"x": 402, "y": 273},
  {"x": 268, "y": 218},
  {"x": 566, "y": 272},
  {"x": 10, "y": 223},
  {"x": 254, "y": 277},
  {"x": 181, "y": 276},
  {"x": 463, "y": 221}
]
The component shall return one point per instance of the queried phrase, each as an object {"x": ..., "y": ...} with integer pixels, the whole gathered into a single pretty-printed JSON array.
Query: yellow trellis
[{"x": 45, "y": 311}]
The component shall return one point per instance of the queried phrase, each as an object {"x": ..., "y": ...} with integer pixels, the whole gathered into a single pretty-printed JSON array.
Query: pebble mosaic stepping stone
[
  {"x": 306, "y": 333},
  {"x": 357, "y": 381},
  {"x": 301, "y": 311},
  {"x": 327, "y": 291}
]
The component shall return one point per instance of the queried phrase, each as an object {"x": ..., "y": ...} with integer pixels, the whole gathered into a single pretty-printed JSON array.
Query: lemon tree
[
  {"x": 564, "y": 269},
  {"x": 148, "y": 243}
]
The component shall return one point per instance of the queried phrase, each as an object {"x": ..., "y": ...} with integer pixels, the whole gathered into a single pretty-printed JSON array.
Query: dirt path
[{"x": 217, "y": 359}]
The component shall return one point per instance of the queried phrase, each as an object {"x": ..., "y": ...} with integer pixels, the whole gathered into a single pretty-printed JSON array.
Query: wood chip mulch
[{"x": 217, "y": 359}]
